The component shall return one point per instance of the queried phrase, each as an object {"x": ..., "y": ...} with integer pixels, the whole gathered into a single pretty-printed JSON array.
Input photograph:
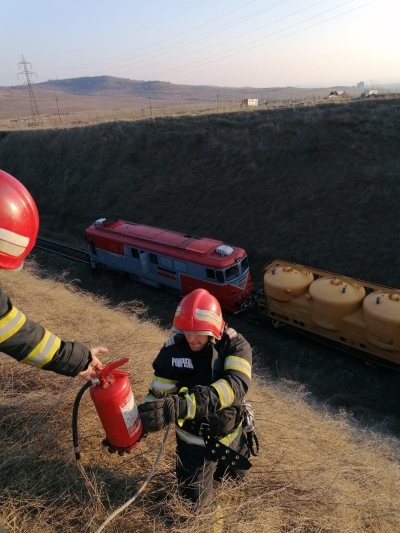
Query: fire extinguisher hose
[
  {"x": 126, "y": 504},
  {"x": 75, "y": 420}
]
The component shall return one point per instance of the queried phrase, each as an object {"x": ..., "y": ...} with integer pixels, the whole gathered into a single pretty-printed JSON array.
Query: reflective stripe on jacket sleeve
[
  {"x": 163, "y": 384},
  {"x": 238, "y": 364},
  {"x": 44, "y": 352},
  {"x": 11, "y": 323}
]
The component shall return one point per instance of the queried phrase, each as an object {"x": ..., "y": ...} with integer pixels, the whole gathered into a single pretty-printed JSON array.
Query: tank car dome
[
  {"x": 381, "y": 313},
  {"x": 285, "y": 283},
  {"x": 332, "y": 299}
]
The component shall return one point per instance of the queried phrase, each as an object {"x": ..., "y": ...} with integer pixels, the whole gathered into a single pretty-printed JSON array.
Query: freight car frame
[
  {"x": 356, "y": 330},
  {"x": 176, "y": 261}
]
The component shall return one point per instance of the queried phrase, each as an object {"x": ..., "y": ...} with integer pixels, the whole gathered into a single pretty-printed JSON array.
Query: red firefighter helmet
[
  {"x": 199, "y": 312},
  {"x": 19, "y": 222}
]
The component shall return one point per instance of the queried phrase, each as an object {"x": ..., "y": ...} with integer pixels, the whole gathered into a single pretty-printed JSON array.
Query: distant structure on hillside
[
  {"x": 249, "y": 101},
  {"x": 368, "y": 93},
  {"x": 360, "y": 85},
  {"x": 23, "y": 65},
  {"x": 336, "y": 94}
]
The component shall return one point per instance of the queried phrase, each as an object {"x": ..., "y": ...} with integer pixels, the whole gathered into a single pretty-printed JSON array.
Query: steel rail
[{"x": 67, "y": 246}]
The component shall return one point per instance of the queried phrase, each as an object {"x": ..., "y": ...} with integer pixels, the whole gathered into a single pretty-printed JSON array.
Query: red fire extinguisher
[{"x": 113, "y": 398}]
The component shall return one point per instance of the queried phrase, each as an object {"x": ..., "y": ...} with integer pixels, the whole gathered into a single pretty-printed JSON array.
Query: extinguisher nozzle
[{"x": 77, "y": 453}]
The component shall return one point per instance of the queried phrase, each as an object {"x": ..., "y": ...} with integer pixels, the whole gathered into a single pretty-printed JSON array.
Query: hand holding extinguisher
[{"x": 113, "y": 398}]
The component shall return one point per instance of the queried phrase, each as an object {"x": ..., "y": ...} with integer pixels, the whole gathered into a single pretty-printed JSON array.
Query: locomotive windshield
[
  {"x": 245, "y": 264},
  {"x": 232, "y": 272}
]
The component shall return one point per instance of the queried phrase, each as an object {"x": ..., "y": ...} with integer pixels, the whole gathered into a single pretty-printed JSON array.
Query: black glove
[
  {"x": 157, "y": 414},
  {"x": 152, "y": 415}
]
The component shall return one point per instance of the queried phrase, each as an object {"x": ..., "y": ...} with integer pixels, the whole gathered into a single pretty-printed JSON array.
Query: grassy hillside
[
  {"x": 316, "y": 185},
  {"x": 316, "y": 472}
]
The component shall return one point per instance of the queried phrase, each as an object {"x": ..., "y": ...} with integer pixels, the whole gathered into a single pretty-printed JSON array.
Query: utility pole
[
  {"x": 59, "y": 116},
  {"x": 151, "y": 111},
  {"x": 23, "y": 65}
]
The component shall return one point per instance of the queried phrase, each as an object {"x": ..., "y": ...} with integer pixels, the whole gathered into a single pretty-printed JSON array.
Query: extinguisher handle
[{"x": 109, "y": 368}]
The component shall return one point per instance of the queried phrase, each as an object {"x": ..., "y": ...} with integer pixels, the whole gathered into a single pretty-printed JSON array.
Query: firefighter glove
[
  {"x": 160, "y": 412},
  {"x": 152, "y": 415}
]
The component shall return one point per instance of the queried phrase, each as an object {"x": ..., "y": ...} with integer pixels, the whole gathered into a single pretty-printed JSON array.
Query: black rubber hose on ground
[{"x": 75, "y": 420}]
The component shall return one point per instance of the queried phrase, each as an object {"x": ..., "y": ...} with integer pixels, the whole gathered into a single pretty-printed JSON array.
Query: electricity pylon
[{"x": 23, "y": 65}]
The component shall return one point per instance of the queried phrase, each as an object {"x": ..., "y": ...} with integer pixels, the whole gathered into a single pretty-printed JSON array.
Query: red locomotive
[{"x": 179, "y": 262}]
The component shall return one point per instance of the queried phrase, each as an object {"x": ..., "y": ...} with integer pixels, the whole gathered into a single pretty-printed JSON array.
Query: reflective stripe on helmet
[
  {"x": 209, "y": 316},
  {"x": 13, "y": 238}
]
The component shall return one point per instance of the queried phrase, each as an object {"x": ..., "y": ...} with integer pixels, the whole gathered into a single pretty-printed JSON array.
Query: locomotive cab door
[{"x": 144, "y": 261}]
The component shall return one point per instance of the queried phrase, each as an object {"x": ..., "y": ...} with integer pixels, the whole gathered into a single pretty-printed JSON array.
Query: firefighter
[
  {"x": 21, "y": 338},
  {"x": 201, "y": 376}
]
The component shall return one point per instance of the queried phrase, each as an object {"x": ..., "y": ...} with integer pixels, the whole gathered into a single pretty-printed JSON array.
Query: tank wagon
[
  {"x": 178, "y": 262},
  {"x": 362, "y": 318}
]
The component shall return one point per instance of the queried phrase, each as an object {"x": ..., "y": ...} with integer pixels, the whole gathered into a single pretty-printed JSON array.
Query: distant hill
[
  {"x": 112, "y": 86},
  {"x": 107, "y": 93}
]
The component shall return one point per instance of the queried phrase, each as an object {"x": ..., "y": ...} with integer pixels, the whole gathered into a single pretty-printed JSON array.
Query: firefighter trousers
[{"x": 196, "y": 472}]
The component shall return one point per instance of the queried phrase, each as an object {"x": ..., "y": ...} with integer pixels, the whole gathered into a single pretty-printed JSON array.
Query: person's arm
[
  {"x": 30, "y": 343},
  {"x": 230, "y": 389}
]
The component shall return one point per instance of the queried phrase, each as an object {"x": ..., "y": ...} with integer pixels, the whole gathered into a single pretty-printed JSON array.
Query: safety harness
[{"x": 228, "y": 456}]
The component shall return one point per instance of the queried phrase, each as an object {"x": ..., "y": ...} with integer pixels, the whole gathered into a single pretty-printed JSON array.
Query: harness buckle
[{"x": 203, "y": 425}]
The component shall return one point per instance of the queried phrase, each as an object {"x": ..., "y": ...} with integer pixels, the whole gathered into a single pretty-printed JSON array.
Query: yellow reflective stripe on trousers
[
  {"x": 239, "y": 364},
  {"x": 44, "y": 351},
  {"x": 225, "y": 392},
  {"x": 11, "y": 323},
  {"x": 219, "y": 520},
  {"x": 165, "y": 385}
]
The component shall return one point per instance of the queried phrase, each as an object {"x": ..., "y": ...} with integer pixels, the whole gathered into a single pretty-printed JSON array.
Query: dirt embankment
[{"x": 315, "y": 185}]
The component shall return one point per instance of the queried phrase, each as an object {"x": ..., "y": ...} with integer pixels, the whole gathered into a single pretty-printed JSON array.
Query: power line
[
  {"x": 188, "y": 67},
  {"x": 235, "y": 37},
  {"x": 181, "y": 69},
  {"x": 84, "y": 65},
  {"x": 128, "y": 34}
]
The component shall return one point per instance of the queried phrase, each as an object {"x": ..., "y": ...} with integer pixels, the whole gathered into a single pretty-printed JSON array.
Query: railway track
[
  {"x": 73, "y": 253},
  {"x": 81, "y": 255}
]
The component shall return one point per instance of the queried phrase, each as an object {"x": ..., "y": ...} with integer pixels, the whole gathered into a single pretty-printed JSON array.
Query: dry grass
[{"x": 316, "y": 473}]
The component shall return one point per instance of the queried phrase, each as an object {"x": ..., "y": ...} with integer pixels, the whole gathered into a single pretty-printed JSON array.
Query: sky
[{"x": 236, "y": 43}]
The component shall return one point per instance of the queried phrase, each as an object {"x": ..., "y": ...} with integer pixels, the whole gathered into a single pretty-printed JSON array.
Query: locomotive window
[
  {"x": 210, "y": 273},
  {"x": 232, "y": 272},
  {"x": 220, "y": 276},
  {"x": 179, "y": 265},
  {"x": 245, "y": 263},
  {"x": 166, "y": 261},
  {"x": 153, "y": 259},
  {"x": 135, "y": 253}
]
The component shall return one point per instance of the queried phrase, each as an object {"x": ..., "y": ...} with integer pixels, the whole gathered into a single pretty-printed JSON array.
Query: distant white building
[{"x": 250, "y": 101}]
